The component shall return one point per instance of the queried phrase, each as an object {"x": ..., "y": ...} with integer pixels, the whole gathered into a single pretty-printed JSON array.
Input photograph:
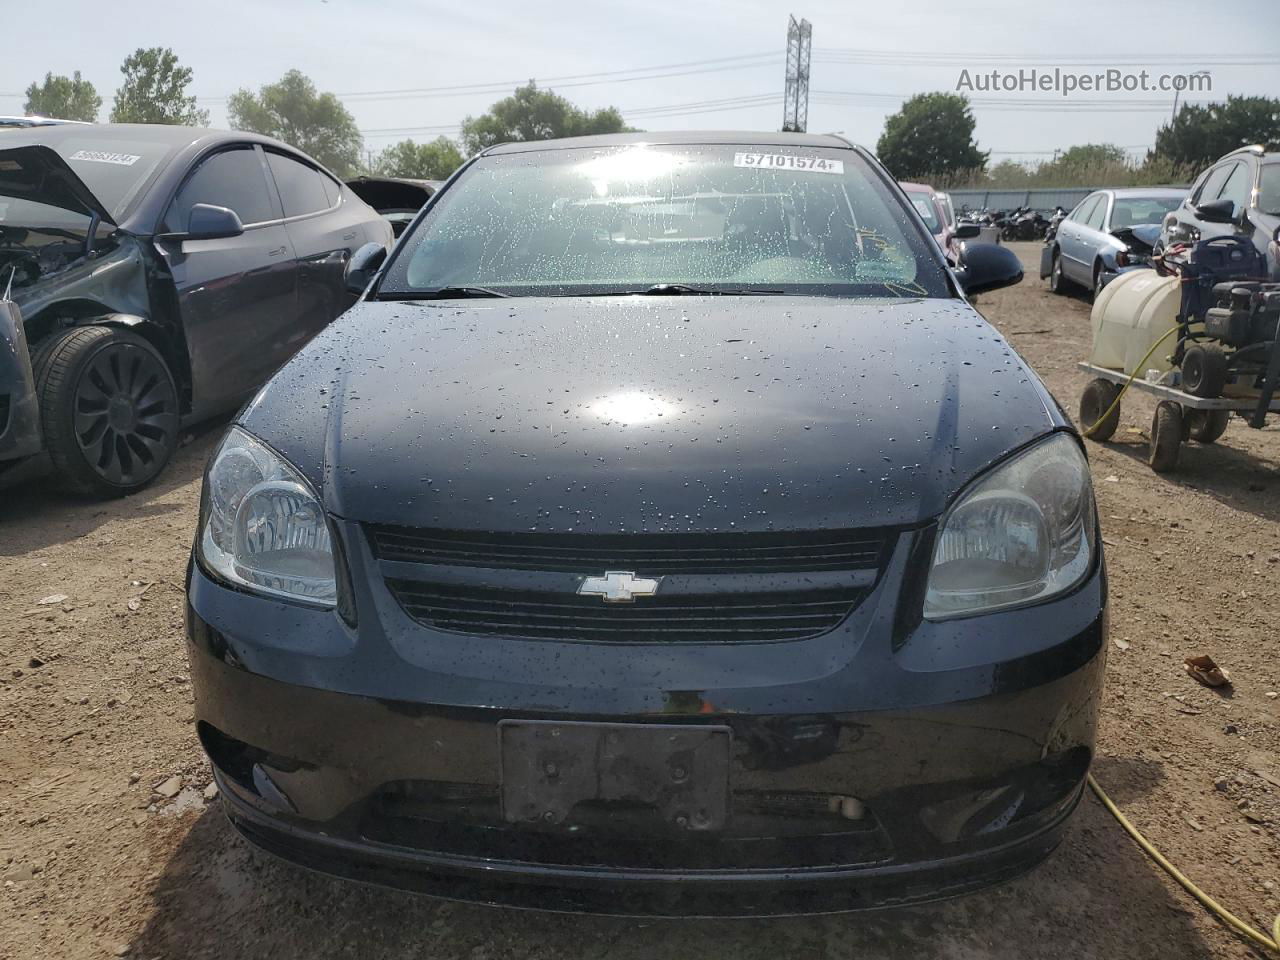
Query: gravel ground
[{"x": 111, "y": 845}]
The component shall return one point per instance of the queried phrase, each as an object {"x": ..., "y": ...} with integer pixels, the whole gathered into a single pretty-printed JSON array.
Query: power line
[
  {"x": 692, "y": 108},
  {"x": 919, "y": 58},
  {"x": 718, "y": 65}
]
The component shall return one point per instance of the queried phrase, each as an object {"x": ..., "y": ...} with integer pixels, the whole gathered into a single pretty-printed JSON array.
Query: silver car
[{"x": 1108, "y": 233}]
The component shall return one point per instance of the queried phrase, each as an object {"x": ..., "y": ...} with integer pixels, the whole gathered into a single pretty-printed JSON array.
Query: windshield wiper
[
  {"x": 684, "y": 289},
  {"x": 447, "y": 293}
]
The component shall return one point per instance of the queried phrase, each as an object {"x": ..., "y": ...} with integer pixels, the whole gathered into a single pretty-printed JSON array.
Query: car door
[
  {"x": 1093, "y": 237},
  {"x": 1238, "y": 188},
  {"x": 324, "y": 231},
  {"x": 237, "y": 296},
  {"x": 1071, "y": 236}
]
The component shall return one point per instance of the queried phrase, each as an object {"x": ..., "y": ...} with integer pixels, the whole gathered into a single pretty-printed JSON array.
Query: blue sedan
[{"x": 1109, "y": 232}]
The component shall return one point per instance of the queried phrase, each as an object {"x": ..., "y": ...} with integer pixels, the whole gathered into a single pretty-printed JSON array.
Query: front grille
[
  {"x": 684, "y": 618},
  {"x": 652, "y": 554},
  {"x": 715, "y": 587}
]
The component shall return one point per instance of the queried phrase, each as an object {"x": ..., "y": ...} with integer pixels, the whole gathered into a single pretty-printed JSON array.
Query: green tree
[
  {"x": 533, "y": 114},
  {"x": 1007, "y": 173},
  {"x": 1086, "y": 155},
  {"x": 1085, "y": 164},
  {"x": 155, "y": 90},
  {"x": 1198, "y": 135},
  {"x": 293, "y": 111},
  {"x": 69, "y": 98},
  {"x": 931, "y": 134},
  {"x": 419, "y": 161}
]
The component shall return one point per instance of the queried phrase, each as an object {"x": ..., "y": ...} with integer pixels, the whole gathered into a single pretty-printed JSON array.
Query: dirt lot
[{"x": 95, "y": 714}]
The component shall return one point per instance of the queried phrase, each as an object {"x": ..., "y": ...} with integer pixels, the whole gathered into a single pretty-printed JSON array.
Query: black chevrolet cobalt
[{"x": 663, "y": 532}]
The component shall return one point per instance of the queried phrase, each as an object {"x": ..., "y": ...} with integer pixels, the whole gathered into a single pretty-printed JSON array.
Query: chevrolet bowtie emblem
[{"x": 619, "y": 586}]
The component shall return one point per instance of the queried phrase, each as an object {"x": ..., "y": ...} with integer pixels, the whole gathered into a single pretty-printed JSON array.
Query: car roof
[
  {"x": 1130, "y": 193},
  {"x": 918, "y": 187},
  {"x": 669, "y": 137},
  {"x": 33, "y": 120},
  {"x": 182, "y": 145},
  {"x": 165, "y": 133}
]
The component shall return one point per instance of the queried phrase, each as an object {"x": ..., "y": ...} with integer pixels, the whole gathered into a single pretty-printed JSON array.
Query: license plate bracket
[{"x": 549, "y": 767}]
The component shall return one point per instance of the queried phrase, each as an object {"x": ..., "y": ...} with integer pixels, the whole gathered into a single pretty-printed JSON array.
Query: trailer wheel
[
  {"x": 1206, "y": 426},
  {"x": 1096, "y": 400},
  {"x": 1166, "y": 437},
  {"x": 1204, "y": 370}
]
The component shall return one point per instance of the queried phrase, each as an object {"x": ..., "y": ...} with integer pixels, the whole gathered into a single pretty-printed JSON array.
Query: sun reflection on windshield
[{"x": 632, "y": 408}]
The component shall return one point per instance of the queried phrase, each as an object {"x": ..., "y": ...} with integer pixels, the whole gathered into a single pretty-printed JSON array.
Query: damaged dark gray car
[{"x": 154, "y": 276}]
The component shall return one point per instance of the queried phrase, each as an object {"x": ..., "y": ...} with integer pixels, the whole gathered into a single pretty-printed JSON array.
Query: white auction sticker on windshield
[
  {"x": 99, "y": 156},
  {"x": 782, "y": 161}
]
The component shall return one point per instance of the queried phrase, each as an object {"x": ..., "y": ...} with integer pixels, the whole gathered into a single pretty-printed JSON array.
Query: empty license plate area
[{"x": 582, "y": 774}]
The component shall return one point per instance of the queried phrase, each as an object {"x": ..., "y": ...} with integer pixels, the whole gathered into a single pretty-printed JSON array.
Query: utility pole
[{"x": 795, "y": 97}]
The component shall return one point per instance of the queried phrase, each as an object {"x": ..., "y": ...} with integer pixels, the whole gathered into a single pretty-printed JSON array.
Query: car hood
[
  {"x": 634, "y": 413},
  {"x": 392, "y": 193},
  {"x": 1145, "y": 233},
  {"x": 39, "y": 174}
]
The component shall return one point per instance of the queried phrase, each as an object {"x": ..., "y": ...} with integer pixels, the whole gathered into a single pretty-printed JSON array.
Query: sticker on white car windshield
[
  {"x": 100, "y": 156},
  {"x": 781, "y": 161}
]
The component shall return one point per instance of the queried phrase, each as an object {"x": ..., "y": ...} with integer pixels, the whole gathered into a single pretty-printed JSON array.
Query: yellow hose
[
  {"x": 1133, "y": 376},
  {"x": 1222, "y": 913}
]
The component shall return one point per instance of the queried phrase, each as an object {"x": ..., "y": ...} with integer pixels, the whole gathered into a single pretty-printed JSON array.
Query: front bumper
[
  {"x": 376, "y": 755},
  {"x": 19, "y": 414},
  {"x": 1111, "y": 273}
]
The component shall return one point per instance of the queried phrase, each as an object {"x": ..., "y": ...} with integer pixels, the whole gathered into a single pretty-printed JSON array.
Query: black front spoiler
[{"x": 644, "y": 893}]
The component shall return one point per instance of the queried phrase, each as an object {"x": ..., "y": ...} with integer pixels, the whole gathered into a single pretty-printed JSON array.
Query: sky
[{"x": 414, "y": 70}]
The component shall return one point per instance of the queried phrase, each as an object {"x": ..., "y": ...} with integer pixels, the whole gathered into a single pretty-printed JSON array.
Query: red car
[{"x": 928, "y": 204}]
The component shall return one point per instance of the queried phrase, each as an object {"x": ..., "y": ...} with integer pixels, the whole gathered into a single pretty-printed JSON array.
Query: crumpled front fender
[{"x": 19, "y": 414}]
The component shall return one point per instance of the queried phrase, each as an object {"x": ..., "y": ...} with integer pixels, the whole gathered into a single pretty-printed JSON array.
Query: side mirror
[
  {"x": 208, "y": 222},
  {"x": 362, "y": 266},
  {"x": 988, "y": 266},
  {"x": 1216, "y": 211},
  {"x": 967, "y": 231}
]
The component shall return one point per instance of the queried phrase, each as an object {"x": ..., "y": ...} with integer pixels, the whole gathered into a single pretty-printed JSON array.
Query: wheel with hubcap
[
  {"x": 108, "y": 407},
  {"x": 1057, "y": 282},
  {"x": 1098, "y": 285},
  {"x": 1166, "y": 437}
]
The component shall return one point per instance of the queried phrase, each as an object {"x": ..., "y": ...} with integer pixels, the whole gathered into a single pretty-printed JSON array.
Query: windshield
[
  {"x": 923, "y": 202},
  {"x": 113, "y": 168},
  {"x": 1269, "y": 189},
  {"x": 798, "y": 220},
  {"x": 1135, "y": 211}
]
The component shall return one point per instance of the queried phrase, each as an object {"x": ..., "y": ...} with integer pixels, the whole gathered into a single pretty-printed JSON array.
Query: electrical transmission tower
[{"x": 795, "y": 98}]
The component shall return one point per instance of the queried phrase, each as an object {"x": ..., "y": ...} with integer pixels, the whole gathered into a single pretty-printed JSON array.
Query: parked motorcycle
[
  {"x": 1051, "y": 230},
  {"x": 1024, "y": 224}
]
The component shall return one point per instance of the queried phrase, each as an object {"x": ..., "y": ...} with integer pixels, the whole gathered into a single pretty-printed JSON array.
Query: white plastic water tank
[{"x": 1134, "y": 311}]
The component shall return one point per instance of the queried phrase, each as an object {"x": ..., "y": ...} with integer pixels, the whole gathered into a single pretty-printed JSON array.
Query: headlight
[
  {"x": 263, "y": 527},
  {"x": 1023, "y": 532}
]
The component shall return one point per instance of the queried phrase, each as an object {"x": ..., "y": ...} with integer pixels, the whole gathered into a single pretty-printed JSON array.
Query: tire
[
  {"x": 1058, "y": 282},
  {"x": 1098, "y": 285},
  {"x": 1166, "y": 437},
  {"x": 1204, "y": 370},
  {"x": 1096, "y": 400},
  {"x": 108, "y": 408},
  {"x": 1206, "y": 426}
]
